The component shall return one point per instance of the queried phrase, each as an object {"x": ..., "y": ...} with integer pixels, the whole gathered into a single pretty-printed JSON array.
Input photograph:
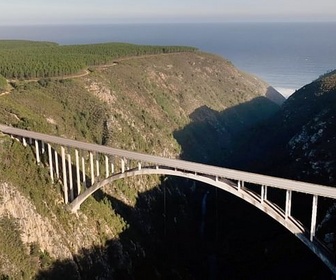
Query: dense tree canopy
[{"x": 27, "y": 59}]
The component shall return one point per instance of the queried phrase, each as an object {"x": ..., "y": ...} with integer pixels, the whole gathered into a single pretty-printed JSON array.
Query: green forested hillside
[{"x": 28, "y": 60}]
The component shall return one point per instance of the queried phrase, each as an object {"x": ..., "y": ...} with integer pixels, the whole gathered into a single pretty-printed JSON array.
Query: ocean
[{"x": 285, "y": 55}]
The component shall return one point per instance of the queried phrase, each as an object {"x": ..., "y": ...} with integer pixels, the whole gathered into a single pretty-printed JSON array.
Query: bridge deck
[{"x": 303, "y": 187}]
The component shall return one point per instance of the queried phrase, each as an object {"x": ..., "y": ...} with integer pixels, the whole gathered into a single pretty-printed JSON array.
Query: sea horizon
[{"x": 286, "y": 55}]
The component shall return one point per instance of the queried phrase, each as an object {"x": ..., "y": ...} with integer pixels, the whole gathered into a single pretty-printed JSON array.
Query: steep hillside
[
  {"x": 309, "y": 117},
  {"x": 162, "y": 98},
  {"x": 142, "y": 104},
  {"x": 299, "y": 141}
]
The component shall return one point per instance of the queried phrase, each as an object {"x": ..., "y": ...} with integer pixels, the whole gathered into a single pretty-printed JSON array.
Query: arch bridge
[{"x": 83, "y": 168}]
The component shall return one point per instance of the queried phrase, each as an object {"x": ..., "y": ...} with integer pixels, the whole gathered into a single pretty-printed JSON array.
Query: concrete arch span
[{"x": 237, "y": 189}]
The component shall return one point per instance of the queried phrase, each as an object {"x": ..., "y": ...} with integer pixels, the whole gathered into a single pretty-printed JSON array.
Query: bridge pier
[
  {"x": 24, "y": 142},
  {"x": 240, "y": 185},
  {"x": 92, "y": 169},
  {"x": 83, "y": 171},
  {"x": 313, "y": 218},
  {"x": 70, "y": 178},
  {"x": 288, "y": 204},
  {"x": 107, "y": 172},
  {"x": 77, "y": 172},
  {"x": 97, "y": 165},
  {"x": 112, "y": 166},
  {"x": 37, "y": 152},
  {"x": 56, "y": 165},
  {"x": 122, "y": 165},
  {"x": 51, "y": 169},
  {"x": 263, "y": 195},
  {"x": 65, "y": 183},
  {"x": 42, "y": 147}
]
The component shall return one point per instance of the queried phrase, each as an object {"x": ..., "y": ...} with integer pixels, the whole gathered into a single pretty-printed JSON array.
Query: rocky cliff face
[
  {"x": 34, "y": 227},
  {"x": 301, "y": 135},
  {"x": 170, "y": 105},
  {"x": 309, "y": 118},
  {"x": 299, "y": 142}
]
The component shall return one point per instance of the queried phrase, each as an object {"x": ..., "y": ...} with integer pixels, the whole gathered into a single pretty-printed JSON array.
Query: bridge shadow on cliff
[{"x": 186, "y": 230}]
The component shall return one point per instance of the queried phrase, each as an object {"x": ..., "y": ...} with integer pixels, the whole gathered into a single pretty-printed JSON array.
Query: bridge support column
[
  {"x": 107, "y": 171},
  {"x": 122, "y": 165},
  {"x": 263, "y": 195},
  {"x": 112, "y": 166},
  {"x": 313, "y": 218},
  {"x": 56, "y": 164},
  {"x": 97, "y": 167},
  {"x": 288, "y": 204},
  {"x": 77, "y": 172},
  {"x": 83, "y": 170},
  {"x": 50, "y": 163},
  {"x": 24, "y": 142},
  {"x": 65, "y": 184},
  {"x": 38, "y": 160},
  {"x": 42, "y": 147},
  {"x": 70, "y": 178},
  {"x": 240, "y": 185},
  {"x": 92, "y": 168}
]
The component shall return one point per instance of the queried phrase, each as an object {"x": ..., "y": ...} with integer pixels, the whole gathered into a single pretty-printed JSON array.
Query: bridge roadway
[
  {"x": 280, "y": 183},
  {"x": 228, "y": 180}
]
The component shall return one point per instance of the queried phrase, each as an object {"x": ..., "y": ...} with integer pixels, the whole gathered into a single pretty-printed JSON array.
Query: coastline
[
  {"x": 286, "y": 92},
  {"x": 285, "y": 55}
]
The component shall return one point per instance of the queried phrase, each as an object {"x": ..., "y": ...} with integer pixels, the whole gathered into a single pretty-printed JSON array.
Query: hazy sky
[{"x": 17, "y": 12}]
